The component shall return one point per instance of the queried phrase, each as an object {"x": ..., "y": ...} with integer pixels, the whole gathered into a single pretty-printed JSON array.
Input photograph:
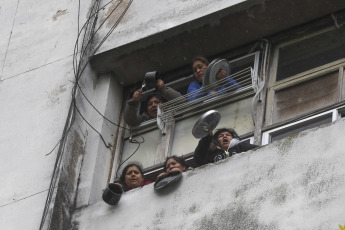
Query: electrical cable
[
  {"x": 113, "y": 27},
  {"x": 94, "y": 33},
  {"x": 86, "y": 24},
  {"x": 132, "y": 141},
  {"x": 100, "y": 112},
  {"x": 62, "y": 141},
  {"x": 106, "y": 145},
  {"x": 78, "y": 69},
  {"x": 77, "y": 74}
]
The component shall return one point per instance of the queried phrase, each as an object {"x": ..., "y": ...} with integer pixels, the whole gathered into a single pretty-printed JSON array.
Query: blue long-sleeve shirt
[{"x": 194, "y": 85}]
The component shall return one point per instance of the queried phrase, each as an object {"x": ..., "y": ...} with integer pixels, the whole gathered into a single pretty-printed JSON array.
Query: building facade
[{"x": 81, "y": 61}]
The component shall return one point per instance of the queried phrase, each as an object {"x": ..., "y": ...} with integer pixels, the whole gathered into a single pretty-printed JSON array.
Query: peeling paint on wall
[
  {"x": 59, "y": 13},
  {"x": 114, "y": 12}
]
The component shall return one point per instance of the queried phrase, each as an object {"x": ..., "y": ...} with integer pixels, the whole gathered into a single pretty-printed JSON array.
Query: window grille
[{"x": 224, "y": 92}]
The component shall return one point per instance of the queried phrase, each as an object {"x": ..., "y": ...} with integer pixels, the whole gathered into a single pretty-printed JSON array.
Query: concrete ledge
[{"x": 295, "y": 183}]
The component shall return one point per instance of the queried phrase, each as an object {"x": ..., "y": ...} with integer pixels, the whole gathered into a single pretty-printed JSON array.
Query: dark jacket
[
  {"x": 127, "y": 188},
  {"x": 207, "y": 151},
  {"x": 132, "y": 116}
]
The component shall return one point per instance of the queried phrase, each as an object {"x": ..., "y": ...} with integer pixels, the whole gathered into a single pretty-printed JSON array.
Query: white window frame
[{"x": 334, "y": 113}]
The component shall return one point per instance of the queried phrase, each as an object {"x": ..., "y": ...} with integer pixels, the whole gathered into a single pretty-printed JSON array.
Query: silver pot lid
[
  {"x": 212, "y": 70},
  {"x": 207, "y": 121}
]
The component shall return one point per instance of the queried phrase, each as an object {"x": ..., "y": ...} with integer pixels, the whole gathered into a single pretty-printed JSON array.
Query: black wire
[
  {"x": 106, "y": 145},
  {"x": 99, "y": 111},
  {"x": 135, "y": 142},
  {"x": 78, "y": 74},
  {"x": 113, "y": 27},
  {"x": 77, "y": 70},
  {"x": 85, "y": 26},
  {"x": 94, "y": 33},
  {"x": 57, "y": 166},
  {"x": 82, "y": 53},
  {"x": 63, "y": 136}
]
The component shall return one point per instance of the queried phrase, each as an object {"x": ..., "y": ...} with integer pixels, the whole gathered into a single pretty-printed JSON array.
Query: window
[
  {"x": 306, "y": 75},
  {"x": 243, "y": 70},
  {"x": 304, "y": 97},
  {"x": 299, "y": 126},
  {"x": 180, "y": 116},
  {"x": 310, "y": 53}
]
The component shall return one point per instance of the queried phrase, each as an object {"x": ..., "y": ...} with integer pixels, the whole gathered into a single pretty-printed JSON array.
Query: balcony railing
[{"x": 212, "y": 96}]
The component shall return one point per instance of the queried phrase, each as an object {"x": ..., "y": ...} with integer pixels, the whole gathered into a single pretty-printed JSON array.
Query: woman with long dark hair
[{"x": 132, "y": 177}]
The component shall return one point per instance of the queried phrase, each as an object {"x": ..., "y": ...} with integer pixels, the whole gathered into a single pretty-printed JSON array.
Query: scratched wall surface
[
  {"x": 37, "y": 39},
  {"x": 294, "y": 183}
]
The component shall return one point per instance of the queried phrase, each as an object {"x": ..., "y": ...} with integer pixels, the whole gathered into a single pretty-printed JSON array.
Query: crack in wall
[
  {"x": 35, "y": 68},
  {"x": 9, "y": 41}
]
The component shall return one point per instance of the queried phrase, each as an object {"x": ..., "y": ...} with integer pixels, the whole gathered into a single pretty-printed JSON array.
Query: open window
[
  {"x": 178, "y": 117},
  {"x": 242, "y": 82}
]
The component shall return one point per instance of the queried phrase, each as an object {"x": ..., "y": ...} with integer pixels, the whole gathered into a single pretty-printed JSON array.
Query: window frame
[
  {"x": 335, "y": 114},
  {"x": 274, "y": 86},
  {"x": 152, "y": 123}
]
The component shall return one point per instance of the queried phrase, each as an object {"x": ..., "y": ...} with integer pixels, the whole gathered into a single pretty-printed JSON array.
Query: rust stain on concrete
[
  {"x": 114, "y": 12},
  {"x": 59, "y": 13}
]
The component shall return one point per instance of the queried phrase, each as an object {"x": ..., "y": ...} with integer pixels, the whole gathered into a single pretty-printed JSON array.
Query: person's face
[
  {"x": 172, "y": 163},
  {"x": 133, "y": 177},
  {"x": 224, "y": 139},
  {"x": 152, "y": 106},
  {"x": 198, "y": 70}
]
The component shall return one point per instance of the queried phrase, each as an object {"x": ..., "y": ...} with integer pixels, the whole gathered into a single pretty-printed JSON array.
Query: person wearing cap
[
  {"x": 151, "y": 103},
  {"x": 199, "y": 66},
  {"x": 224, "y": 143}
]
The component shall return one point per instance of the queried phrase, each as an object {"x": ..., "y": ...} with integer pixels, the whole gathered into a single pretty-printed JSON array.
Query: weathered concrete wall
[
  {"x": 36, "y": 48},
  {"x": 166, "y": 35},
  {"x": 295, "y": 183},
  {"x": 37, "y": 39},
  {"x": 147, "y": 18}
]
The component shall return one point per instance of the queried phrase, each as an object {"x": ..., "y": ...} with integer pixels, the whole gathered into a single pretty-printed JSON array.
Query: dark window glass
[
  {"x": 316, "y": 122},
  {"x": 311, "y": 53}
]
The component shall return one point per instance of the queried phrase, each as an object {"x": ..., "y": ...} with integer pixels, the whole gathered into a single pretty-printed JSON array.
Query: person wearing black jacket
[{"x": 224, "y": 143}]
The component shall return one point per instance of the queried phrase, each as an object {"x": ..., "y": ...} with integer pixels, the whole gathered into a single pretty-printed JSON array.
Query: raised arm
[
  {"x": 167, "y": 92},
  {"x": 132, "y": 116},
  {"x": 202, "y": 153}
]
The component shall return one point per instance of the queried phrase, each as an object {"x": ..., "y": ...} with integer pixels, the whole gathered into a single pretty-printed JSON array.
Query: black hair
[
  {"x": 219, "y": 131},
  {"x": 148, "y": 97},
  {"x": 124, "y": 171},
  {"x": 176, "y": 158}
]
